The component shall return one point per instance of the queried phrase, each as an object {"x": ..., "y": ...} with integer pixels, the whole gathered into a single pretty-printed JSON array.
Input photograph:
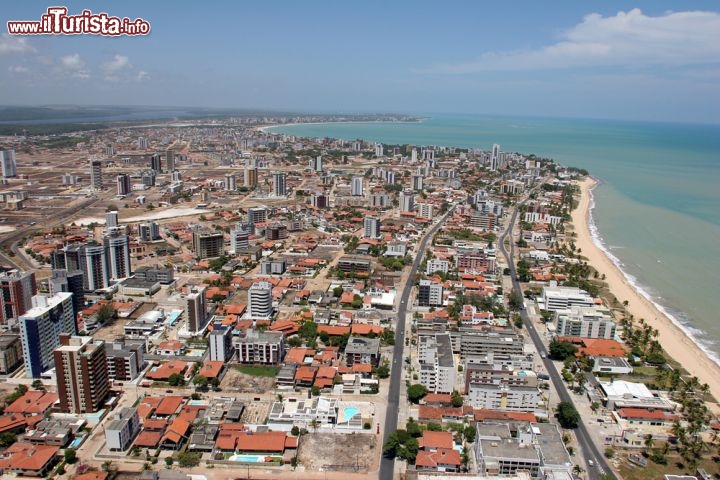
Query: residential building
[
  {"x": 16, "y": 292},
  {"x": 425, "y": 210},
  {"x": 319, "y": 200},
  {"x": 7, "y": 163},
  {"x": 587, "y": 322},
  {"x": 498, "y": 341},
  {"x": 149, "y": 231},
  {"x": 257, "y": 215},
  {"x": 417, "y": 182},
  {"x": 230, "y": 184},
  {"x": 164, "y": 275},
  {"x": 28, "y": 460},
  {"x": 122, "y": 429},
  {"x": 348, "y": 264},
  {"x": 273, "y": 267},
  {"x": 63, "y": 281},
  {"x": 495, "y": 158},
  {"x": 125, "y": 359},
  {"x": 156, "y": 163},
  {"x": 503, "y": 396},
  {"x": 196, "y": 309},
  {"x": 11, "y": 353},
  {"x": 260, "y": 300},
  {"x": 430, "y": 294},
  {"x": 251, "y": 177},
  {"x": 611, "y": 365},
  {"x": 96, "y": 179},
  {"x": 279, "y": 184},
  {"x": 221, "y": 347},
  {"x": 371, "y": 227},
  {"x": 170, "y": 160},
  {"x": 621, "y": 394},
  {"x": 362, "y": 350},
  {"x": 40, "y": 329},
  {"x": 262, "y": 348},
  {"x": 276, "y": 231},
  {"x": 81, "y": 372},
  {"x": 356, "y": 186},
  {"x": 561, "y": 298},
  {"x": 239, "y": 238},
  {"x": 117, "y": 254},
  {"x": 208, "y": 243},
  {"x": 436, "y": 265},
  {"x": 437, "y": 364},
  {"x": 124, "y": 186}
]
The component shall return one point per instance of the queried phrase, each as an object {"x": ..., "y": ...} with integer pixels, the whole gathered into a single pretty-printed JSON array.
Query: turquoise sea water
[{"x": 657, "y": 210}]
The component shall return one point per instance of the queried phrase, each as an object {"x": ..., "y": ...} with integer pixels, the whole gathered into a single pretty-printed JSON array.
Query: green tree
[
  {"x": 515, "y": 300},
  {"x": 413, "y": 428},
  {"x": 176, "y": 380},
  {"x": 105, "y": 312},
  {"x": 567, "y": 415},
  {"x": 7, "y": 439},
  {"x": 561, "y": 350},
  {"x": 456, "y": 398},
  {"x": 383, "y": 371},
  {"x": 169, "y": 461},
  {"x": 402, "y": 445},
  {"x": 201, "y": 382},
  {"x": 70, "y": 456},
  {"x": 469, "y": 433},
  {"x": 416, "y": 392},
  {"x": 189, "y": 459}
]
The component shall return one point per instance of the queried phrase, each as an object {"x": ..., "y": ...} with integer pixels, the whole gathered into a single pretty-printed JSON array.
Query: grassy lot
[
  {"x": 258, "y": 370},
  {"x": 652, "y": 471}
]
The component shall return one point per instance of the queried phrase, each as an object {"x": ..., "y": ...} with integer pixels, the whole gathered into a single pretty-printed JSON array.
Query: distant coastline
[{"x": 265, "y": 128}]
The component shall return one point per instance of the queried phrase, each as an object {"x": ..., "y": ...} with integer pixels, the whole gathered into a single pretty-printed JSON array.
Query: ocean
[{"x": 656, "y": 210}]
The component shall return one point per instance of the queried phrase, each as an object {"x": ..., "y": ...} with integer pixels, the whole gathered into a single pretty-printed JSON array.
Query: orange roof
[
  {"x": 483, "y": 414},
  {"x": 148, "y": 439},
  {"x": 326, "y": 372},
  {"x": 12, "y": 422},
  {"x": 363, "y": 329},
  {"x": 32, "y": 402},
  {"x": 164, "y": 371},
  {"x": 596, "y": 347},
  {"x": 226, "y": 440},
  {"x": 644, "y": 413},
  {"x": 27, "y": 457},
  {"x": 261, "y": 441},
  {"x": 211, "y": 369},
  {"x": 434, "y": 440},
  {"x": 177, "y": 430},
  {"x": 361, "y": 368},
  {"x": 442, "y": 456},
  {"x": 298, "y": 354},
  {"x": 437, "y": 398},
  {"x": 155, "y": 424},
  {"x": 347, "y": 297},
  {"x": 305, "y": 373},
  {"x": 92, "y": 476},
  {"x": 169, "y": 405},
  {"x": 170, "y": 345},
  {"x": 334, "y": 330}
]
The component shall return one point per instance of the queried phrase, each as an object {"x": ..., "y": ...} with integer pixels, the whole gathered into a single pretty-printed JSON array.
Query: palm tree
[
  {"x": 649, "y": 442},
  {"x": 314, "y": 424}
]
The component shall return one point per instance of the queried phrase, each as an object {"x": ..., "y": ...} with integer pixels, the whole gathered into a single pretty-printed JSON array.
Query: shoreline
[
  {"x": 264, "y": 128},
  {"x": 676, "y": 342}
]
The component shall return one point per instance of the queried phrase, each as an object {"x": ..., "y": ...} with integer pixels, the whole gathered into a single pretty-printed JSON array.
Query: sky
[{"x": 646, "y": 60}]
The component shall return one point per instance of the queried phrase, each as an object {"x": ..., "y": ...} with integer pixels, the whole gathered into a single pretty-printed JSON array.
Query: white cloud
[
  {"x": 115, "y": 67},
  {"x": 10, "y": 45},
  {"x": 630, "y": 39},
  {"x": 74, "y": 66},
  {"x": 142, "y": 75},
  {"x": 18, "y": 69}
]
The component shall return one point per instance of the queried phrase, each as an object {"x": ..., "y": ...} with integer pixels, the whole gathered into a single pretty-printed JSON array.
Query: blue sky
[{"x": 654, "y": 60}]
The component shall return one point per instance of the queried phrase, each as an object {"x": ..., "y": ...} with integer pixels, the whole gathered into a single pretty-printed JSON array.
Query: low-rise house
[{"x": 28, "y": 460}]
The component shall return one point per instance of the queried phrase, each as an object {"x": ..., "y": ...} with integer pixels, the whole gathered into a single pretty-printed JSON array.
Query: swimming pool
[
  {"x": 349, "y": 413},
  {"x": 247, "y": 458}
]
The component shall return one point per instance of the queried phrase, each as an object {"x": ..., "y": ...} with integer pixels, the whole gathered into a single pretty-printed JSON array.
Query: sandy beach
[{"x": 675, "y": 342}]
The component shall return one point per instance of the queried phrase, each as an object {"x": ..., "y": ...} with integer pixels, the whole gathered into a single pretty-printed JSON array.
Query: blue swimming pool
[
  {"x": 348, "y": 413},
  {"x": 247, "y": 458}
]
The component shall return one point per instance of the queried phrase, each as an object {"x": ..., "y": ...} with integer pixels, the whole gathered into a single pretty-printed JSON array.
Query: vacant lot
[
  {"x": 237, "y": 381},
  {"x": 349, "y": 452},
  {"x": 258, "y": 370}
]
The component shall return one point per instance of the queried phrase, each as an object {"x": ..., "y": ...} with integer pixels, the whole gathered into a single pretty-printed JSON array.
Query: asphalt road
[
  {"x": 588, "y": 447},
  {"x": 387, "y": 465}
]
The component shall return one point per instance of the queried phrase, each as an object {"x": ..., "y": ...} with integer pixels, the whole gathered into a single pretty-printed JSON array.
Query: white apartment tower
[
  {"x": 7, "y": 163},
  {"x": 279, "y": 184},
  {"x": 260, "y": 300},
  {"x": 356, "y": 187},
  {"x": 372, "y": 227}
]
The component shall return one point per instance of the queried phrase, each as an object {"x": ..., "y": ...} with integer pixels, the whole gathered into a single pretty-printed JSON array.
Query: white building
[
  {"x": 371, "y": 227},
  {"x": 425, "y": 210},
  {"x": 417, "y": 182},
  {"x": 586, "y": 322},
  {"x": 7, "y": 163},
  {"x": 260, "y": 348},
  {"x": 430, "y": 293},
  {"x": 437, "y": 265},
  {"x": 437, "y": 364},
  {"x": 220, "y": 339},
  {"x": 230, "y": 182},
  {"x": 279, "y": 184},
  {"x": 561, "y": 298},
  {"x": 260, "y": 300},
  {"x": 40, "y": 329},
  {"x": 407, "y": 201},
  {"x": 503, "y": 396},
  {"x": 121, "y": 431},
  {"x": 356, "y": 187}
]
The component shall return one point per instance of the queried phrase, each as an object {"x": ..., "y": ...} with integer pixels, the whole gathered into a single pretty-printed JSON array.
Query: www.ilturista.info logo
[{"x": 57, "y": 22}]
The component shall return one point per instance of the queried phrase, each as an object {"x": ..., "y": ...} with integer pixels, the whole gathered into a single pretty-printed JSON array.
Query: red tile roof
[
  {"x": 261, "y": 441},
  {"x": 164, "y": 371},
  {"x": 169, "y": 405},
  {"x": 13, "y": 422},
  {"x": 148, "y": 439},
  {"x": 334, "y": 330},
  {"x": 211, "y": 369},
  {"x": 32, "y": 402},
  {"x": 483, "y": 414},
  {"x": 27, "y": 457},
  {"x": 645, "y": 414},
  {"x": 435, "y": 440},
  {"x": 443, "y": 457}
]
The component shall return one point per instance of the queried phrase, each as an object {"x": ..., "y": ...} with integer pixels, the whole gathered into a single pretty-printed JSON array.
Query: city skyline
[{"x": 618, "y": 60}]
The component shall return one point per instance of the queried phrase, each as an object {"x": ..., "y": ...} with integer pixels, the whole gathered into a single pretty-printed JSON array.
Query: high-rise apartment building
[
  {"x": 251, "y": 177},
  {"x": 417, "y": 182},
  {"x": 63, "y": 281},
  {"x": 124, "y": 186},
  {"x": 407, "y": 201},
  {"x": 495, "y": 158},
  {"x": 117, "y": 253},
  {"x": 229, "y": 183},
  {"x": 170, "y": 159},
  {"x": 356, "y": 187},
  {"x": 40, "y": 330},
  {"x": 16, "y": 292},
  {"x": 371, "y": 227},
  {"x": 208, "y": 243},
  {"x": 196, "y": 309},
  {"x": 257, "y": 215},
  {"x": 156, "y": 163},
  {"x": 279, "y": 184},
  {"x": 96, "y": 178},
  {"x": 81, "y": 372},
  {"x": 8, "y": 166},
  {"x": 260, "y": 300}
]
